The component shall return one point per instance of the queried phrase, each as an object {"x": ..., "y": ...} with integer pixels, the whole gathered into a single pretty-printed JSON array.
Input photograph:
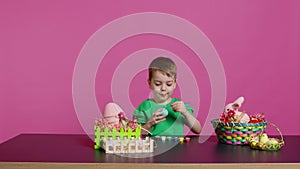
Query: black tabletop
[{"x": 80, "y": 148}]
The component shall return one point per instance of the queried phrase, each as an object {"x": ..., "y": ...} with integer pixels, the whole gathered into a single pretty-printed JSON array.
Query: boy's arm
[{"x": 192, "y": 122}]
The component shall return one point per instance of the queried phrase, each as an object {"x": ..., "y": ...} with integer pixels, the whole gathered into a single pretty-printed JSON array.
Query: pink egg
[{"x": 111, "y": 112}]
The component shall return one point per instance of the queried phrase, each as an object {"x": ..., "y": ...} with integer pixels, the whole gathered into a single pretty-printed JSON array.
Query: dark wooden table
[{"x": 51, "y": 148}]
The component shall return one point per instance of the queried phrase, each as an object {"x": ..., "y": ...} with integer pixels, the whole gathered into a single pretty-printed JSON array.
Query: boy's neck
[{"x": 163, "y": 103}]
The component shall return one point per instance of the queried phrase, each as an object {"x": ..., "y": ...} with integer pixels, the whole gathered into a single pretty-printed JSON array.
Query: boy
[{"x": 162, "y": 82}]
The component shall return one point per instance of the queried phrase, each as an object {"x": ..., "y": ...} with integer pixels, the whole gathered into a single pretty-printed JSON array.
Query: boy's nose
[{"x": 163, "y": 87}]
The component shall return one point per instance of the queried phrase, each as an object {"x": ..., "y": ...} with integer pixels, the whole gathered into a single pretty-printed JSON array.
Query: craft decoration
[
  {"x": 128, "y": 146},
  {"x": 231, "y": 112},
  {"x": 115, "y": 125},
  {"x": 115, "y": 133},
  {"x": 264, "y": 142},
  {"x": 237, "y": 133},
  {"x": 164, "y": 112},
  {"x": 111, "y": 113},
  {"x": 260, "y": 117},
  {"x": 236, "y": 127},
  {"x": 103, "y": 131}
]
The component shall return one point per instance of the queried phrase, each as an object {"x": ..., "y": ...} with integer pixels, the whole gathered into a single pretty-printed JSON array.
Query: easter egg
[
  {"x": 164, "y": 112},
  {"x": 272, "y": 142},
  {"x": 263, "y": 138},
  {"x": 111, "y": 112}
]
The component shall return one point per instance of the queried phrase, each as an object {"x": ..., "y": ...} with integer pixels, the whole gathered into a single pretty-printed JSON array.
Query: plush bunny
[{"x": 231, "y": 111}]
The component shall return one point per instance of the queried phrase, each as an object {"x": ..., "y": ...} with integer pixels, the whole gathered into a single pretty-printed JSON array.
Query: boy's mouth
[{"x": 163, "y": 95}]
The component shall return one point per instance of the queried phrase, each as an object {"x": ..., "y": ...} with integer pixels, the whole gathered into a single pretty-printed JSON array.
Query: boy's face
[{"x": 162, "y": 87}]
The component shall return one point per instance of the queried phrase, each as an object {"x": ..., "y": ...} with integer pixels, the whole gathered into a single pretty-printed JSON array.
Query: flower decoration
[
  {"x": 260, "y": 117},
  {"x": 122, "y": 116},
  {"x": 231, "y": 114},
  {"x": 123, "y": 123},
  {"x": 231, "y": 117}
]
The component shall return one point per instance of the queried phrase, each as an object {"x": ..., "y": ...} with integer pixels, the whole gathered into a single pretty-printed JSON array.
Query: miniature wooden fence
[
  {"x": 128, "y": 146},
  {"x": 113, "y": 134}
]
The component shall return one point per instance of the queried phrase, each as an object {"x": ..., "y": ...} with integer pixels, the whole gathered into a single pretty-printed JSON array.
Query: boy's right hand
[{"x": 157, "y": 117}]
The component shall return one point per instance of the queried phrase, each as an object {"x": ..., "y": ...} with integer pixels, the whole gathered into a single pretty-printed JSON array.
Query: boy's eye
[
  {"x": 157, "y": 84},
  {"x": 169, "y": 84}
]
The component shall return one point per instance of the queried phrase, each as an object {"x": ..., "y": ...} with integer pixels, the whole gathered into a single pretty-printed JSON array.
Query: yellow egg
[
  {"x": 260, "y": 145},
  {"x": 263, "y": 138},
  {"x": 253, "y": 143},
  {"x": 272, "y": 141}
]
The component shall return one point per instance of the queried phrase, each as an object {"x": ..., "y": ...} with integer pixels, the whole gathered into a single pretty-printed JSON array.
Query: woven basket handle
[{"x": 277, "y": 128}]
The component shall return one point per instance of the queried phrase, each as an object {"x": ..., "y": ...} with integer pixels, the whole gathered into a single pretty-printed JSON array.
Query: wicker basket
[
  {"x": 272, "y": 145},
  {"x": 237, "y": 133}
]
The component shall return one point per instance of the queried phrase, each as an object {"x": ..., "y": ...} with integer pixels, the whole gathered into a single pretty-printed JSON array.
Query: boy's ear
[{"x": 149, "y": 83}]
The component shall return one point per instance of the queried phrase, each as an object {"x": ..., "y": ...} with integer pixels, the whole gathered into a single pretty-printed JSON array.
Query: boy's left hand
[{"x": 179, "y": 106}]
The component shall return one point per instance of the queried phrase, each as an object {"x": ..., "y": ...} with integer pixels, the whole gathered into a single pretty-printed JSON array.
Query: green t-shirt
[{"x": 172, "y": 126}]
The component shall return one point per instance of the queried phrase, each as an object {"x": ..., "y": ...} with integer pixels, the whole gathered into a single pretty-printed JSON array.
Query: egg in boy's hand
[{"x": 164, "y": 112}]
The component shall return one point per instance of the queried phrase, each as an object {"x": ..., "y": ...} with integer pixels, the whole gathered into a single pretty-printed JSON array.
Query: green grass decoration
[{"x": 112, "y": 133}]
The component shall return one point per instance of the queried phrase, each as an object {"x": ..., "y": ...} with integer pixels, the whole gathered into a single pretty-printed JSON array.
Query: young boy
[{"x": 162, "y": 82}]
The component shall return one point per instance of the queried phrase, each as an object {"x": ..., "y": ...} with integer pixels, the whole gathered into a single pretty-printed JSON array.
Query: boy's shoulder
[
  {"x": 146, "y": 101},
  {"x": 146, "y": 104}
]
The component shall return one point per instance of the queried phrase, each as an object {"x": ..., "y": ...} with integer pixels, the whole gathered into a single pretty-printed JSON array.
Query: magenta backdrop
[{"x": 258, "y": 42}]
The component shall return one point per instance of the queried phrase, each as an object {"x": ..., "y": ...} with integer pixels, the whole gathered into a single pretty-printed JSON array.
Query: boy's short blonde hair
[{"x": 166, "y": 65}]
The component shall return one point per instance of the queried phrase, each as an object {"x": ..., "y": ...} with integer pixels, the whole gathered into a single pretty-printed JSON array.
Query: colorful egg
[
  {"x": 111, "y": 112},
  {"x": 164, "y": 112}
]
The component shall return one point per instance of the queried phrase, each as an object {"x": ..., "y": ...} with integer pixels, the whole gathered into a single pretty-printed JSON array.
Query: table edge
[{"x": 48, "y": 165}]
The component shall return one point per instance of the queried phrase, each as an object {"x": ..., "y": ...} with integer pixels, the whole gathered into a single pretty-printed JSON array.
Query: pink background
[{"x": 257, "y": 40}]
